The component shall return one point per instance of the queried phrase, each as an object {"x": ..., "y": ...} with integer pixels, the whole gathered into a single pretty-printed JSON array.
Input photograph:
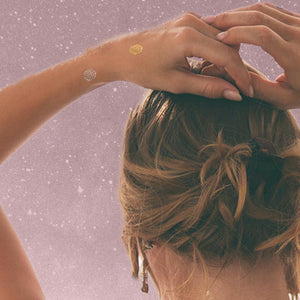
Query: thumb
[
  {"x": 207, "y": 86},
  {"x": 276, "y": 93}
]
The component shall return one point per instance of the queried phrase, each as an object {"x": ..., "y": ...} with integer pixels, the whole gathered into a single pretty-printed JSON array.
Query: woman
[
  {"x": 162, "y": 53},
  {"x": 194, "y": 191}
]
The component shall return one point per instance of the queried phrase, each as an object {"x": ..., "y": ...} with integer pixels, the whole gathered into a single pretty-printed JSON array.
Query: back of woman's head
[{"x": 185, "y": 180}]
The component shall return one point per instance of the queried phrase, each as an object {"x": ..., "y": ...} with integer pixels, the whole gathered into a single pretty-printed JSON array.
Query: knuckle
[
  {"x": 258, "y": 6},
  {"x": 179, "y": 22},
  {"x": 188, "y": 13},
  {"x": 183, "y": 20},
  {"x": 256, "y": 17},
  {"x": 265, "y": 34},
  {"x": 222, "y": 18},
  {"x": 207, "y": 91},
  {"x": 187, "y": 17},
  {"x": 184, "y": 33}
]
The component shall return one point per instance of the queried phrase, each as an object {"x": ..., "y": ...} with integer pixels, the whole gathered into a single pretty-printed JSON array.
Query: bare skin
[
  {"x": 238, "y": 281},
  {"x": 26, "y": 105},
  {"x": 29, "y": 103},
  {"x": 276, "y": 31}
]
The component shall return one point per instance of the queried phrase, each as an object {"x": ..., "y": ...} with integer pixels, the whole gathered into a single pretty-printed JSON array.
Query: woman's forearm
[{"x": 29, "y": 103}]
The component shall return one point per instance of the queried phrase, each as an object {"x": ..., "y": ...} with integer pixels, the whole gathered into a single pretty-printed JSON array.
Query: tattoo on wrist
[{"x": 89, "y": 74}]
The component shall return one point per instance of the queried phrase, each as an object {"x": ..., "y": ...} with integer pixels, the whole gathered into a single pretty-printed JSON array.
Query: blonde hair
[{"x": 184, "y": 182}]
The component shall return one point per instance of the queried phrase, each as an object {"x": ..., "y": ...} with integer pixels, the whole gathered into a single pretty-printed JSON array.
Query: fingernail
[
  {"x": 232, "y": 95},
  {"x": 251, "y": 92},
  {"x": 220, "y": 36},
  {"x": 209, "y": 19}
]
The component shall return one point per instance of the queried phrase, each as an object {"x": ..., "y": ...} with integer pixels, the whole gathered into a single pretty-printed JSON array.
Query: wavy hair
[{"x": 184, "y": 181}]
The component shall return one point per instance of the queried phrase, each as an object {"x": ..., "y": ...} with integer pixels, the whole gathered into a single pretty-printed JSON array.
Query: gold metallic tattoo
[{"x": 136, "y": 49}]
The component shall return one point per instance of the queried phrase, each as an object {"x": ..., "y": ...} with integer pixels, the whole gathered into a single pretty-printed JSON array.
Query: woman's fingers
[
  {"x": 206, "y": 86},
  {"x": 191, "y": 19},
  {"x": 199, "y": 45},
  {"x": 285, "y": 53},
  {"x": 275, "y": 30},
  {"x": 194, "y": 20},
  {"x": 277, "y": 93},
  {"x": 244, "y": 18},
  {"x": 213, "y": 70},
  {"x": 283, "y": 10},
  {"x": 279, "y": 14},
  {"x": 252, "y": 69},
  {"x": 262, "y": 36},
  {"x": 208, "y": 68}
]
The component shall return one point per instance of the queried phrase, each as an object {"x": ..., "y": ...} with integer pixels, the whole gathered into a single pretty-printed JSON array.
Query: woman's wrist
[
  {"x": 114, "y": 59},
  {"x": 29, "y": 103},
  {"x": 100, "y": 59}
]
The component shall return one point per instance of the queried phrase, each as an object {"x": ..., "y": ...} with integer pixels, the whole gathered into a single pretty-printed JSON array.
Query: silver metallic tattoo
[{"x": 89, "y": 74}]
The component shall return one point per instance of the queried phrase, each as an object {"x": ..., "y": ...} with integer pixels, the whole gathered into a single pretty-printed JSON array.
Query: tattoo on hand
[{"x": 136, "y": 49}]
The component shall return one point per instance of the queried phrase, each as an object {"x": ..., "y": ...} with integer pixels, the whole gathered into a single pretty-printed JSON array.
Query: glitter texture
[
  {"x": 59, "y": 189},
  {"x": 89, "y": 74}
]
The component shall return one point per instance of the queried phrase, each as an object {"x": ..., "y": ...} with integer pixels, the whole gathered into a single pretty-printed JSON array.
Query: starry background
[{"x": 59, "y": 189}]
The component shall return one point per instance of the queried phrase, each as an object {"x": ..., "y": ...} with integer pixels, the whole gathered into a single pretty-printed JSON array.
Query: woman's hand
[
  {"x": 208, "y": 68},
  {"x": 162, "y": 63},
  {"x": 277, "y": 31}
]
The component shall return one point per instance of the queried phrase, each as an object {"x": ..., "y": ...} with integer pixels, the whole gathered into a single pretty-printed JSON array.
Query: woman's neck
[
  {"x": 266, "y": 283},
  {"x": 238, "y": 281}
]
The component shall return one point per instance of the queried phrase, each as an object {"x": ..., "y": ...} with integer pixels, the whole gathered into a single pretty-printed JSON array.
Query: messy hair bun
[{"x": 185, "y": 180}]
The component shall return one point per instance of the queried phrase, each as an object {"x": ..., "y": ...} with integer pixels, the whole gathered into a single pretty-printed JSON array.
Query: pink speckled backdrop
[{"x": 59, "y": 189}]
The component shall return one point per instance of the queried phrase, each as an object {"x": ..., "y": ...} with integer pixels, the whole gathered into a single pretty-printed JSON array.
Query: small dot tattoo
[
  {"x": 136, "y": 49},
  {"x": 89, "y": 74}
]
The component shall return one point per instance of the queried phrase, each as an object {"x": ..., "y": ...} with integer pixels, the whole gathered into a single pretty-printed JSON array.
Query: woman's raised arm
[
  {"x": 154, "y": 58},
  {"x": 27, "y": 104}
]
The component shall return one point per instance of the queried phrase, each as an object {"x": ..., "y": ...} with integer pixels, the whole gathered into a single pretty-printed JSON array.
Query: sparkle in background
[{"x": 59, "y": 189}]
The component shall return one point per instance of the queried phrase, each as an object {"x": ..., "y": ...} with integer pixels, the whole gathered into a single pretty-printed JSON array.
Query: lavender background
[{"x": 59, "y": 189}]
